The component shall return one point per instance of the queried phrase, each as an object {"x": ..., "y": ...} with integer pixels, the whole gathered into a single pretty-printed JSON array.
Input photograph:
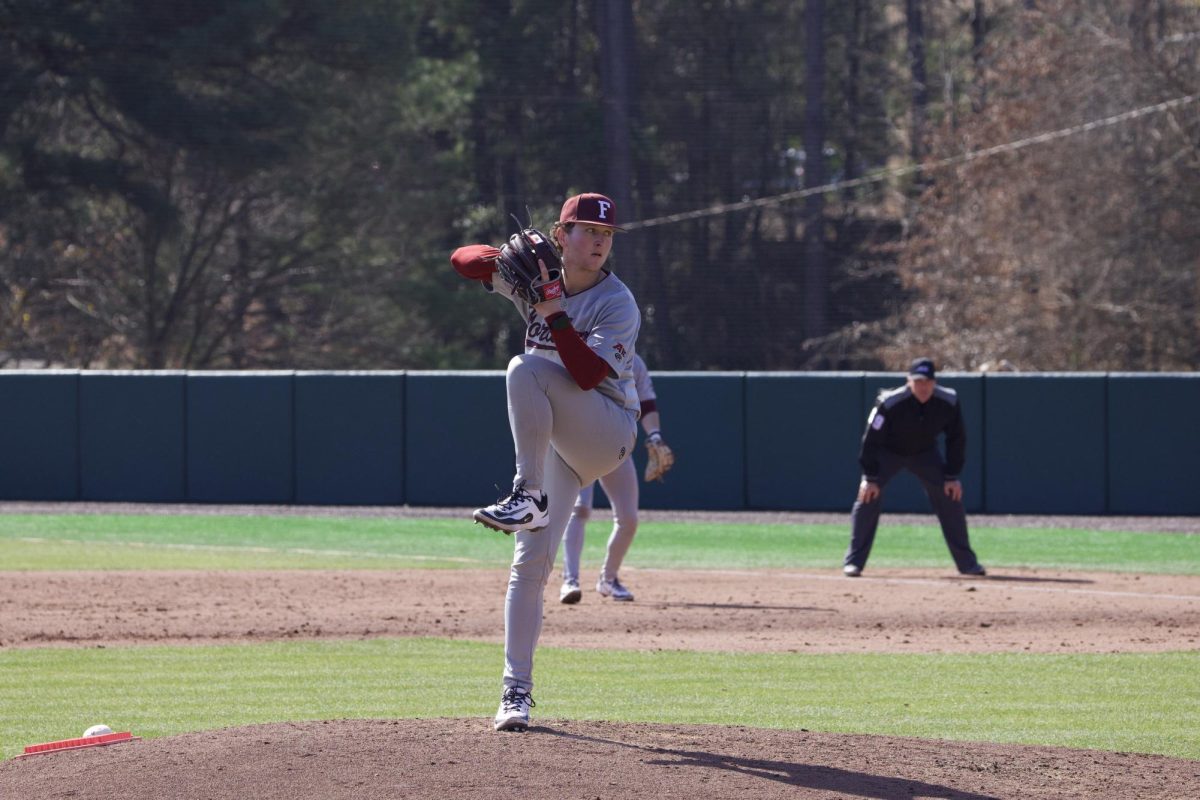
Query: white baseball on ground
[{"x": 97, "y": 730}]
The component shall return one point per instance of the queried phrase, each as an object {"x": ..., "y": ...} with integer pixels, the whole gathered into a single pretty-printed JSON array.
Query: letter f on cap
[{"x": 604, "y": 205}]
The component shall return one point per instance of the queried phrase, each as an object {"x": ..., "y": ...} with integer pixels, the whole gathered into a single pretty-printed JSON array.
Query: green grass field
[
  {"x": 1130, "y": 702},
  {"x": 32, "y": 542}
]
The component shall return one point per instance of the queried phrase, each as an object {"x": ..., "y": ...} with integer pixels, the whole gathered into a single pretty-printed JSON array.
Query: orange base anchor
[{"x": 78, "y": 744}]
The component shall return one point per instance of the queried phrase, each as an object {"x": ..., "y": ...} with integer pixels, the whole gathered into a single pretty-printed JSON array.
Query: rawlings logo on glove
[{"x": 531, "y": 267}]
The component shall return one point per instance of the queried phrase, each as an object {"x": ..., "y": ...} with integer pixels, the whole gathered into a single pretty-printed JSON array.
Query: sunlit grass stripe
[
  {"x": 292, "y": 542},
  {"x": 1144, "y": 702},
  {"x": 226, "y": 548}
]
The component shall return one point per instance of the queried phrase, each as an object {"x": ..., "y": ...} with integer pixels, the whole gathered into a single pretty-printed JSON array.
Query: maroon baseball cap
[{"x": 594, "y": 209}]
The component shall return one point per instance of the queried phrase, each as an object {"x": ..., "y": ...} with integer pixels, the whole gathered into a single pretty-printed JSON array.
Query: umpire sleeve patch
[{"x": 876, "y": 419}]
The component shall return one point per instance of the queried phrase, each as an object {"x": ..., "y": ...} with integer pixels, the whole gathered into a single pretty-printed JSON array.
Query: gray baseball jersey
[
  {"x": 641, "y": 380},
  {"x": 608, "y": 319}
]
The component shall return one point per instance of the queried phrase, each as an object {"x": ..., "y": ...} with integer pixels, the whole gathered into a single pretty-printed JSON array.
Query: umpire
[{"x": 902, "y": 432}]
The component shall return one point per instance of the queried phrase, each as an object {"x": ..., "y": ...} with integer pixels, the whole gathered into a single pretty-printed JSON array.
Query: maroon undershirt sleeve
[
  {"x": 476, "y": 261},
  {"x": 587, "y": 368}
]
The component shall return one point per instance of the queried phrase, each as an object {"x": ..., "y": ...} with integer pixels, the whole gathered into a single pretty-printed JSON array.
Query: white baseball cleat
[
  {"x": 614, "y": 589},
  {"x": 570, "y": 592},
  {"x": 851, "y": 571},
  {"x": 513, "y": 714},
  {"x": 520, "y": 511}
]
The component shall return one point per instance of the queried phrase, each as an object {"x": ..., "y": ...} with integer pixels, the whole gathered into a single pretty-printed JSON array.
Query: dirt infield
[
  {"x": 808, "y": 611},
  {"x": 463, "y": 759},
  {"x": 753, "y": 611}
]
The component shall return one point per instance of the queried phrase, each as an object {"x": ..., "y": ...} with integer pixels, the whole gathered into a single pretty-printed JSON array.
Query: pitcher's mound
[{"x": 558, "y": 759}]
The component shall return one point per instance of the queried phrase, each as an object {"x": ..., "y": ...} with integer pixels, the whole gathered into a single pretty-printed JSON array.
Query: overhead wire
[{"x": 929, "y": 166}]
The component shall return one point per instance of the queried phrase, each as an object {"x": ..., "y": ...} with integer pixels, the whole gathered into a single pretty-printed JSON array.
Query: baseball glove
[
  {"x": 518, "y": 266},
  {"x": 659, "y": 457}
]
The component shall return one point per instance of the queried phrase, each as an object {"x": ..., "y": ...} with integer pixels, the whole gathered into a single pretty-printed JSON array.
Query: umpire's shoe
[
  {"x": 513, "y": 714},
  {"x": 520, "y": 511}
]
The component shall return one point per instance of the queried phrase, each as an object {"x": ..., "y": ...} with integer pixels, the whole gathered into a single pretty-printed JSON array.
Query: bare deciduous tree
[{"x": 1076, "y": 254}]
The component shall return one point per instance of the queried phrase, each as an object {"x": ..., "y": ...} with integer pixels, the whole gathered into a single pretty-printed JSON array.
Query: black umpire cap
[{"x": 922, "y": 369}]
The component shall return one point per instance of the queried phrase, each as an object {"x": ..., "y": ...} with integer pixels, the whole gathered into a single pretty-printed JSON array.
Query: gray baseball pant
[
  {"x": 929, "y": 468},
  {"x": 621, "y": 486},
  {"x": 565, "y": 438}
]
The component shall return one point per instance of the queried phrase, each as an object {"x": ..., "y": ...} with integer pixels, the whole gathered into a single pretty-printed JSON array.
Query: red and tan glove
[{"x": 659, "y": 457}]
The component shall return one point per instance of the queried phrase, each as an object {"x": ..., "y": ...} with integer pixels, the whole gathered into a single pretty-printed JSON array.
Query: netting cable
[{"x": 930, "y": 166}]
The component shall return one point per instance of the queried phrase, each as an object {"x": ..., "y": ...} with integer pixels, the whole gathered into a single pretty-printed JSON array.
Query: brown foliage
[{"x": 1081, "y": 253}]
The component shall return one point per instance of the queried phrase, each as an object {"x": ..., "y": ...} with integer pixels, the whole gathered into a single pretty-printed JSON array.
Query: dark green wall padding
[
  {"x": 802, "y": 438},
  {"x": 458, "y": 450},
  {"x": 132, "y": 444},
  {"x": 1062, "y": 443},
  {"x": 1153, "y": 443},
  {"x": 239, "y": 437},
  {"x": 39, "y": 435},
  {"x": 349, "y": 438},
  {"x": 1045, "y": 449},
  {"x": 701, "y": 415}
]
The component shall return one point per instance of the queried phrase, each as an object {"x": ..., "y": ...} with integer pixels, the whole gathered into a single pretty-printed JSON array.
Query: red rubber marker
[{"x": 78, "y": 744}]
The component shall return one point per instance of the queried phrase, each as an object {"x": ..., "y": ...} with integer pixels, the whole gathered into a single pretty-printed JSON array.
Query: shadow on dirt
[
  {"x": 820, "y": 778},
  {"x": 744, "y": 607},
  {"x": 994, "y": 578}
]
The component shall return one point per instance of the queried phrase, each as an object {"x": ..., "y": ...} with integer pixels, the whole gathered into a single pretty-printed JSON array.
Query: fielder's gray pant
[
  {"x": 929, "y": 468},
  {"x": 565, "y": 438},
  {"x": 621, "y": 486}
]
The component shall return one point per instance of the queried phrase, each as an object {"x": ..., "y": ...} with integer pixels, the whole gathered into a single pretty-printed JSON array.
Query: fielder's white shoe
[
  {"x": 520, "y": 511},
  {"x": 851, "y": 571},
  {"x": 513, "y": 714},
  {"x": 570, "y": 593},
  {"x": 614, "y": 589}
]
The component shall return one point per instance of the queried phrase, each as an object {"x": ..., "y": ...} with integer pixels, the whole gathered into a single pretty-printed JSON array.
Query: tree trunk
[
  {"x": 641, "y": 249},
  {"x": 919, "y": 81},
  {"x": 615, "y": 22},
  {"x": 978, "y": 34},
  {"x": 854, "y": 51},
  {"x": 816, "y": 272}
]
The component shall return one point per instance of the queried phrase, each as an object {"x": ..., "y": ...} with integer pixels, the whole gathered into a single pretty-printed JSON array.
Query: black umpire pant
[{"x": 928, "y": 467}]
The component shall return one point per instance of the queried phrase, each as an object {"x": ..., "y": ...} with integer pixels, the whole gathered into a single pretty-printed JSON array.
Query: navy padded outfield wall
[
  {"x": 349, "y": 438},
  {"x": 457, "y": 444},
  {"x": 701, "y": 414},
  {"x": 239, "y": 437},
  {"x": 1153, "y": 443},
  {"x": 802, "y": 435},
  {"x": 132, "y": 441},
  {"x": 39, "y": 435},
  {"x": 1045, "y": 446},
  {"x": 1065, "y": 443}
]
